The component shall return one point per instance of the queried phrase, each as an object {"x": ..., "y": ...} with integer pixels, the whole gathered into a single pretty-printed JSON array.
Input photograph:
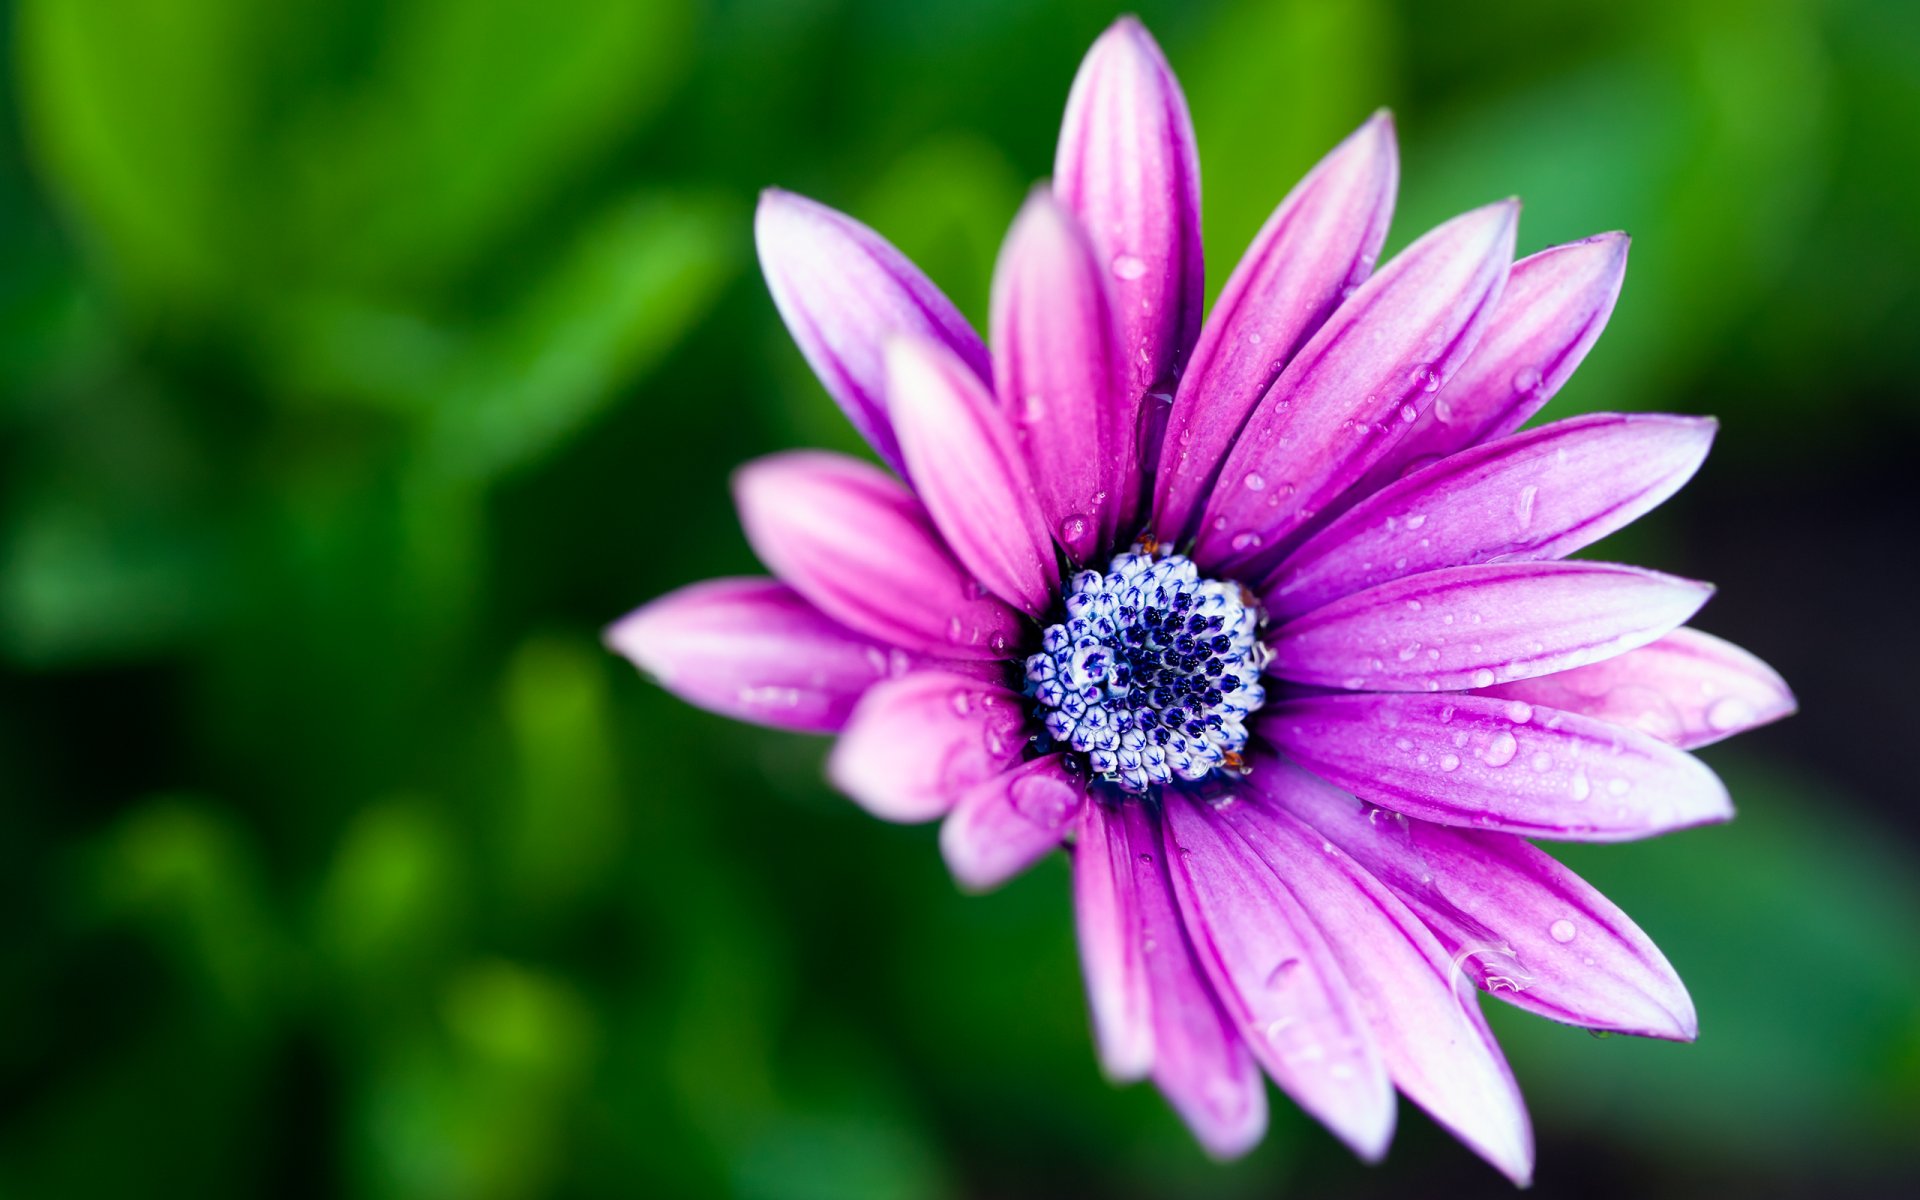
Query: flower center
[{"x": 1152, "y": 675}]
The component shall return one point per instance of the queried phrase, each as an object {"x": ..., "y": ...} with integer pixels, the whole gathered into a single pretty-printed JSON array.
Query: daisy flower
[{"x": 1269, "y": 621}]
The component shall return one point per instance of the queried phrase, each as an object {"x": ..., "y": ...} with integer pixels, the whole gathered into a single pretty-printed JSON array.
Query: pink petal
[
  {"x": 1465, "y": 627},
  {"x": 1003, "y": 826},
  {"x": 1536, "y": 495},
  {"x": 1278, "y": 979},
  {"x": 1435, "y": 1043},
  {"x": 969, "y": 473},
  {"x": 1524, "y": 927},
  {"x": 1355, "y": 388},
  {"x": 1055, "y": 372},
  {"x": 843, "y": 292},
  {"x": 1152, "y": 1011},
  {"x": 1689, "y": 689},
  {"x": 1201, "y": 1061},
  {"x": 1106, "y": 911},
  {"x": 1498, "y": 764},
  {"x": 1317, "y": 247},
  {"x": 914, "y": 746},
  {"x": 1126, "y": 167},
  {"x": 754, "y": 650},
  {"x": 854, "y": 541},
  {"x": 1555, "y": 304}
]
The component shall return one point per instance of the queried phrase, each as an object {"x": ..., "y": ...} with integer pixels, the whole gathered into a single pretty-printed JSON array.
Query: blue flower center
[{"x": 1153, "y": 674}]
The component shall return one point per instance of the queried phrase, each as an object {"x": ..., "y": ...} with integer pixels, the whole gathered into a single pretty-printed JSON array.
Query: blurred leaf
[
  {"x": 138, "y": 111},
  {"x": 635, "y": 281},
  {"x": 389, "y": 909},
  {"x": 561, "y": 825},
  {"x": 484, "y": 110}
]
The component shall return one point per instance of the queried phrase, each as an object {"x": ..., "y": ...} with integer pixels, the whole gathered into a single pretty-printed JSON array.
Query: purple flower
[{"x": 1269, "y": 621}]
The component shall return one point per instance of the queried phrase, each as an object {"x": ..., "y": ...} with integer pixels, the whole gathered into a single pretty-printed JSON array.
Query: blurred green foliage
[{"x": 359, "y": 360}]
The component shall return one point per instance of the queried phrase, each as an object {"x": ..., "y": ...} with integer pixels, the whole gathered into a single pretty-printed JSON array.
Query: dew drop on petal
[
  {"x": 1449, "y": 762},
  {"x": 1500, "y": 750},
  {"x": 1526, "y": 379},
  {"x": 1254, "y": 481},
  {"x": 1483, "y": 678},
  {"x": 1073, "y": 529},
  {"x": 1728, "y": 712},
  {"x": 1127, "y": 266},
  {"x": 1562, "y": 931}
]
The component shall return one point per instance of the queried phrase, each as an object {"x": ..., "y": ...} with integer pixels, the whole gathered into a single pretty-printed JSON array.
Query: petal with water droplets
[
  {"x": 914, "y": 746},
  {"x": 1001, "y": 827},
  {"x": 1497, "y": 764},
  {"x": 1319, "y": 244},
  {"x": 1126, "y": 166},
  {"x": 970, "y": 474},
  {"x": 1465, "y": 627},
  {"x": 755, "y": 650},
  {"x": 1536, "y": 495},
  {"x": 1054, "y": 371},
  {"x": 1351, "y": 392},
  {"x": 843, "y": 291},
  {"x": 1278, "y": 978},
  {"x": 1427, "y": 1024},
  {"x": 1523, "y": 927},
  {"x": 858, "y": 544},
  {"x": 1689, "y": 689}
]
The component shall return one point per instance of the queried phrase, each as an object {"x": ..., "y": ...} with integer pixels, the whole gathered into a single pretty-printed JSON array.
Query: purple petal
[
  {"x": 1054, "y": 369},
  {"x": 1536, "y": 495},
  {"x": 1435, "y": 1043},
  {"x": 913, "y": 746},
  {"x": 843, "y": 292},
  {"x": 1688, "y": 689},
  {"x": 755, "y": 650},
  {"x": 1106, "y": 912},
  {"x": 969, "y": 473},
  {"x": 1555, "y": 304},
  {"x": 1355, "y": 388},
  {"x": 1200, "y": 1060},
  {"x": 1278, "y": 979},
  {"x": 1005, "y": 825},
  {"x": 1466, "y": 627},
  {"x": 1522, "y": 926},
  {"x": 1498, "y": 764},
  {"x": 1126, "y": 166},
  {"x": 854, "y": 541},
  {"x": 1319, "y": 245}
]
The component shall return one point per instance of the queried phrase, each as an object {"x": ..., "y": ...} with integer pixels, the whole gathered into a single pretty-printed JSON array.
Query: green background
[{"x": 359, "y": 361}]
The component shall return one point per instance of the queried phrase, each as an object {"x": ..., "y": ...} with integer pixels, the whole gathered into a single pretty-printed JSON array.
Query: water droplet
[
  {"x": 1526, "y": 379},
  {"x": 1033, "y": 406},
  {"x": 1542, "y": 761},
  {"x": 1255, "y": 481},
  {"x": 1043, "y": 799},
  {"x": 955, "y": 631},
  {"x": 1126, "y": 266},
  {"x": 1413, "y": 606},
  {"x": 1146, "y": 858},
  {"x": 1729, "y": 712},
  {"x": 1619, "y": 787},
  {"x": 1409, "y": 413},
  {"x": 1416, "y": 520},
  {"x": 1501, "y": 749},
  {"x": 961, "y": 701},
  {"x": 997, "y": 643},
  {"x": 1426, "y": 378},
  {"x": 1580, "y": 787},
  {"x": 1523, "y": 504},
  {"x": 1449, "y": 762},
  {"x": 1246, "y": 541},
  {"x": 1562, "y": 931},
  {"x": 1073, "y": 529},
  {"x": 1408, "y": 651},
  {"x": 1483, "y": 678}
]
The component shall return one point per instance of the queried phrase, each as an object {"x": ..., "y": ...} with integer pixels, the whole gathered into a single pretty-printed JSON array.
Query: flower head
[{"x": 1269, "y": 621}]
